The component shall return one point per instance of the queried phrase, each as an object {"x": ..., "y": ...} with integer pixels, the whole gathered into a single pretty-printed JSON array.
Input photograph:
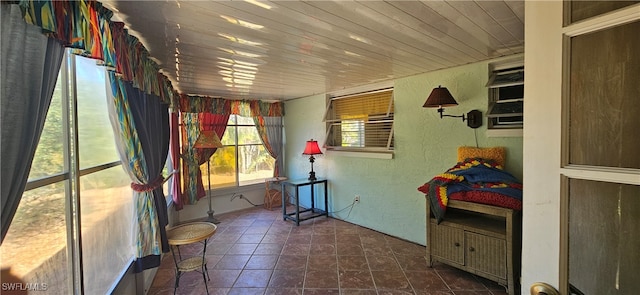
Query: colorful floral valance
[
  {"x": 86, "y": 26},
  {"x": 245, "y": 108}
]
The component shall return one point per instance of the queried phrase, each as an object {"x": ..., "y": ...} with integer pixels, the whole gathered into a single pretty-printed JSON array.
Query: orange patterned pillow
[{"x": 494, "y": 153}]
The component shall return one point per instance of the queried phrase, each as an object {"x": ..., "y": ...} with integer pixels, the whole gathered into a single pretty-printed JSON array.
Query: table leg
[
  {"x": 313, "y": 204},
  {"x": 297, "y": 206},
  {"x": 284, "y": 206},
  {"x": 326, "y": 203}
]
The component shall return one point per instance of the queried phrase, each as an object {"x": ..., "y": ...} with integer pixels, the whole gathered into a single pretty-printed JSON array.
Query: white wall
[
  {"x": 222, "y": 201},
  {"x": 541, "y": 159}
]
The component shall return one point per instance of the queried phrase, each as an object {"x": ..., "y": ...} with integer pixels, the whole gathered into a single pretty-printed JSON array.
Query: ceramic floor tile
[
  {"x": 392, "y": 280},
  {"x": 239, "y": 249},
  {"x": 321, "y": 291},
  {"x": 292, "y": 262},
  {"x": 232, "y": 262},
  {"x": 458, "y": 280},
  {"x": 426, "y": 280},
  {"x": 255, "y": 252},
  {"x": 325, "y": 279},
  {"x": 250, "y": 238},
  {"x": 262, "y": 262},
  {"x": 287, "y": 279},
  {"x": 246, "y": 291},
  {"x": 356, "y": 279},
  {"x": 322, "y": 262},
  {"x": 348, "y": 262},
  {"x": 250, "y": 278},
  {"x": 322, "y": 249},
  {"x": 387, "y": 263}
]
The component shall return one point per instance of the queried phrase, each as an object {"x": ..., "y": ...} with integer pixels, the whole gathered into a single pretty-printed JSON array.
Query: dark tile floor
[{"x": 255, "y": 252}]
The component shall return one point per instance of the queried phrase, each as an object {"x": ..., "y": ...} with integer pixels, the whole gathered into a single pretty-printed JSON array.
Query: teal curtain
[{"x": 141, "y": 128}]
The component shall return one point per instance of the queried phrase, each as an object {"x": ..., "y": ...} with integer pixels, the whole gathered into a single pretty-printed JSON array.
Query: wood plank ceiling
[{"x": 282, "y": 50}]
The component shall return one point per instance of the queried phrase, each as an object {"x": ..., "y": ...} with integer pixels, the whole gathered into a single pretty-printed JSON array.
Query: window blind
[{"x": 362, "y": 121}]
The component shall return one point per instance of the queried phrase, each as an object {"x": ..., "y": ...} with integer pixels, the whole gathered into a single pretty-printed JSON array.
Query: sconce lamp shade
[
  {"x": 312, "y": 148},
  {"x": 440, "y": 97},
  {"x": 208, "y": 139}
]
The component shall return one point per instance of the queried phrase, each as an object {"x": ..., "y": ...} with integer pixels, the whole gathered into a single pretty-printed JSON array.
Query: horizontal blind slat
[{"x": 361, "y": 121}]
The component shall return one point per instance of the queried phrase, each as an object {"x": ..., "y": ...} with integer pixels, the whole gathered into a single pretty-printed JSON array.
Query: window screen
[
  {"x": 362, "y": 121},
  {"x": 506, "y": 98}
]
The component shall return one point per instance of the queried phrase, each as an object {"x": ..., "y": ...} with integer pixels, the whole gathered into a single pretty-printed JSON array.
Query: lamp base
[
  {"x": 212, "y": 219},
  {"x": 312, "y": 176}
]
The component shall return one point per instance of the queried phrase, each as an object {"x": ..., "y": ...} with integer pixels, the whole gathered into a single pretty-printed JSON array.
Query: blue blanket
[{"x": 478, "y": 180}]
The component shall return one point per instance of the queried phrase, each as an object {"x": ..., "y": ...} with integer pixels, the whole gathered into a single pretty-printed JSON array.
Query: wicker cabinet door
[
  {"x": 486, "y": 254},
  {"x": 447, "y": 243}
]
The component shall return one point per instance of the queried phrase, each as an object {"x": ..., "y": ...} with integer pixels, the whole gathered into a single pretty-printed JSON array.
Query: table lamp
[{"x": 312, "y": 149}]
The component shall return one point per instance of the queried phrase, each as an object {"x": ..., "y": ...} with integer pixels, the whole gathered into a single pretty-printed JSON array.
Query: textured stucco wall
[{"x": 425, "y": 145}]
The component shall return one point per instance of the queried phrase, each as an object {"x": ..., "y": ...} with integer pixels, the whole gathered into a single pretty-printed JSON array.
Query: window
[
  {"x": 361, "y": 122},
  {"x": 45, "y": 227},
  {"x": 506, "y": 97},
  {"x": 243, "y": 160}
]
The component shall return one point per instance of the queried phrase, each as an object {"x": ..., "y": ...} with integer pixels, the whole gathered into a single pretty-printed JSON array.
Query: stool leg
[
  {"x": 203, "y": 267},
  {"x": 206, "y": 286},
  {"x": 175, "y": 287}
]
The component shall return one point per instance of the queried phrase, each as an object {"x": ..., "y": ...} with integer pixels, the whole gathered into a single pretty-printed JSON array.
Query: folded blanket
[{"x": 476, "y": 180}]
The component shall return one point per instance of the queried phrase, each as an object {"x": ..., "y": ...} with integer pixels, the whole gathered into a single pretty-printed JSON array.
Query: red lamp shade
[{"x": 312, "y": 148}]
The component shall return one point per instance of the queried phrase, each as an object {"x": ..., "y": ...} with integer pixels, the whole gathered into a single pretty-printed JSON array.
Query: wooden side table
[{"x": 187, "y": 234}]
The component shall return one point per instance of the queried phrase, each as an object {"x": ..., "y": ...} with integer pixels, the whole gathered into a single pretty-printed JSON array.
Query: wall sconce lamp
[
  {"x": 312, "y": 149},
  {"x": 440, "y": 97}
]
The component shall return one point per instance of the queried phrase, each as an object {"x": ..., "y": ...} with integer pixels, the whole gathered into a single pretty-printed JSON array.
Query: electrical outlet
[{"x": 357, "y": 199}]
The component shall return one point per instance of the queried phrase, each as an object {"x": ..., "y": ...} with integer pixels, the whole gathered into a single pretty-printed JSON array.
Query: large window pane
[
  {"x": 107, "y": 223},
  {"x": 223, "y": 168},
  {"x": 229, "y": 137},
  {"x": 35, "y": 248},
  {"x": 95, "y": 136},
  {"x": 243, "y": 160},
  {"x": 255, "y": 164},
  {"x": 248, "y": 135},
  {"x": 49, "y": 156},
  {"x": 604, "y": 113},
  {"x": 603, "y": 237}
]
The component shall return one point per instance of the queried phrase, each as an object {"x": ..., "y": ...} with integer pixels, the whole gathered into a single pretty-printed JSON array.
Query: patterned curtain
[
  {"x": 30, "y": 65},
  {"x": 192, "y": 124},
  {"x": 220, "y": 106},
  {"x": 270, "y": 131},
  {"x": 86, "y": 26},
  {"x": 141, "y": 127}
]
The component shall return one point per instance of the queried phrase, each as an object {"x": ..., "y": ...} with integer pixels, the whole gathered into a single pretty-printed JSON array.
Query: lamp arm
[
  {"x": 461, "y": 116},
  {"x": 442, "y": 115}
]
